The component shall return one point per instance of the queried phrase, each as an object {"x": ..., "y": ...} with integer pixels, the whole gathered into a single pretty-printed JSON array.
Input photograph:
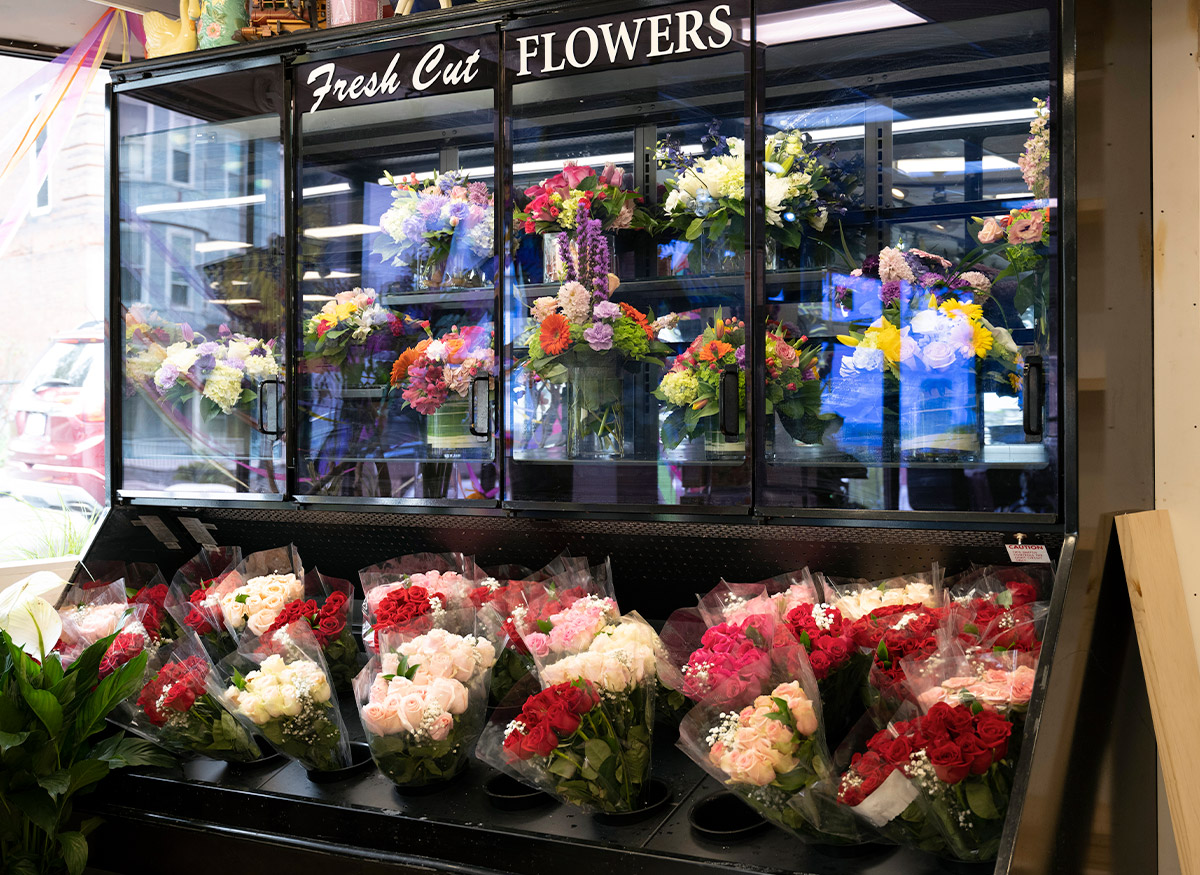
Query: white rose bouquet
[
  {"x": 253, "y": 595},
  {"x": 422, "y": 703},
  {"x": 286, "y": 695}
]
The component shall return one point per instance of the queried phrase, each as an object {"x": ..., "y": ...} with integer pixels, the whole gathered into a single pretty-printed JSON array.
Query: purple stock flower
[
  {"x": 890, "y": 293},
  {"x": 739, "y": 357},
  {"x": 167, "y": 375},
  {"x": 599, "y": 336},
  {"x": 606, "y": 310}
]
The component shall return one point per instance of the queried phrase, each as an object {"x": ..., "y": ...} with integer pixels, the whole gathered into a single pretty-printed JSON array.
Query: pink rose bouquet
[
  {"x": 553, "y": 203},
  {"x": 771, "y": 752},
  {"x": 422, "y": 703}
]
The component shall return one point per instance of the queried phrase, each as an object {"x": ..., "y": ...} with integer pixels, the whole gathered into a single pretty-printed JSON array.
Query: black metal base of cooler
[{"x": 281, "y": 820}]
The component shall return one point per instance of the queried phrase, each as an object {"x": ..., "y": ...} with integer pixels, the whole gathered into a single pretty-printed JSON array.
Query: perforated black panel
[{"x": 657, "y": 566}]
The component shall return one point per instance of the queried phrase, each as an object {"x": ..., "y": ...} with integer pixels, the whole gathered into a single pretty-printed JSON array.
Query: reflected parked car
[{"x": 56, "y": 452}]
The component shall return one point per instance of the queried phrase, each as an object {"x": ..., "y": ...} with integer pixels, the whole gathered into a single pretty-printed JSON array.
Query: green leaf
[
  {"x": 544, "y": 626},
  {"x": 10, "y": 740},
  {"x": 979, "y": 797},
  {"x": 563, "y": 768},
  {"x": 44, "y": 705},
  {"x": 74, "y": 851},
  {"x": 56, "y": 783},
  {"x": 694, "y": 229},
  {"x": 22, "y": 865},
  {"x": 84, "y": 773},
  {"x": 596, "y": 752},
  {"x": 239, "y": 680},
  {"x": 37, "y": 805},
  {"x": 119, "y": 752},
  {"x": 115, "y": 688}
]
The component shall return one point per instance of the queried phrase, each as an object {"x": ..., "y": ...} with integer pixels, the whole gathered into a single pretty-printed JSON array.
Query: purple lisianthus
[
  {"x": 224, "y": 331},
  {"x": 599, "y": 336},
  {"x": 166, "y": 376},
  {"x": 205, "y": 363},
  {"x": 206, "y": 348},
  {"x": 890, "y": 293},
  {"x": 606, "y": 310},
  {"x": 186, "y": 332},
  {"x": 431, "y": 206},
  {"x": 739, "y": 357}
]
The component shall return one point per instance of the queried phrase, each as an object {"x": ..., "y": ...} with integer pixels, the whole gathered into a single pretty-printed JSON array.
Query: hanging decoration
[{"x": 37, "y": 130}]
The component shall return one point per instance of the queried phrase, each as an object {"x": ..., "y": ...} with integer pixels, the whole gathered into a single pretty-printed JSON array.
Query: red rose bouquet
[
  {"x": 771, "y": 752},
  {"x": 939, "y": 782},
  {"x": 192, "y": 597},
  {"x": 279, "y": 686},
  {"x": 326, "y": 608},
  {"x": 176, "y": 709},
  {"x": 415, "y": 593},
  {"x": 586, "y": 736},
  {"x": 891, "y": 635},
  {"x": 839, "y": 666},
  {"x": 422, "y": 704}
]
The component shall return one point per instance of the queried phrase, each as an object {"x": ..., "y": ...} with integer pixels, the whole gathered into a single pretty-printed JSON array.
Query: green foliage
[
  {"x": 418, "y": 764},
  {"x": 48, "y": 718}
]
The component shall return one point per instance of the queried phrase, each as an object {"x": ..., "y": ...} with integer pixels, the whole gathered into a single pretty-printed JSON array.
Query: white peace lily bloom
[{"x": 29, "y": 617}]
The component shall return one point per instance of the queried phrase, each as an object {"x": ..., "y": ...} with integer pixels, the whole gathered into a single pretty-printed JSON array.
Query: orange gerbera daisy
[
  {"x": 404, "y": 362},
  {"x": 714, "y": 351},
  {"x": 556, "y": 334}
]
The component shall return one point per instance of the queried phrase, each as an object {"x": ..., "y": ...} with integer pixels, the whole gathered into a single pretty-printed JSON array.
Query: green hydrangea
[
  {"x": 629, "y": 338},
  {"x": 680, "y": 387}
]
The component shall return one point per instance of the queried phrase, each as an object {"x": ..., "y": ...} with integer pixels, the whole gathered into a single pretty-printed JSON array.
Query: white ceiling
[{"x": 58, "y": 24}]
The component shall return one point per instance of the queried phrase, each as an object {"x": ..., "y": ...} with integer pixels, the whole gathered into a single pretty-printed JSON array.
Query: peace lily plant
[{"x": 50, "y": 715}]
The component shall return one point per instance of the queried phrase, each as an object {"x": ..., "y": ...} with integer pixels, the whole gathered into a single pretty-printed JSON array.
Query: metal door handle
[
  {"x": 474, "y": 409},
  {"x": 269, "y": 424},
  {"x": 1034, "y": 389},
  {"x": 729, "y": 413}
]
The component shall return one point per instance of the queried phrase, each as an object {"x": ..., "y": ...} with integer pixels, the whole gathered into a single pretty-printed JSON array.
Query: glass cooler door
[
  {"x": 397, "y": 273},
  {"x": 200, "y": 201},
  {"x": 912, "y": 300},
  {"x": 627, "y": 293}
]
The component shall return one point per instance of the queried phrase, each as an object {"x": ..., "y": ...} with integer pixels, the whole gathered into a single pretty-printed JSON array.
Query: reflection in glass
[
  {"x": 397, "y": 290},
  {"x": 200, "y": 199}
]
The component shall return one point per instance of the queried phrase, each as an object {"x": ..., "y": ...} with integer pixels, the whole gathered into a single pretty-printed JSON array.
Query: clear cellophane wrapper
[
  {"x": 192, "y": 598},
  {"x": 449, "y": 577},
  {"x": 178, "y": 707},
  {"x": 280, "y": 687},
  {"x": 422, "y": 702},
  {"x": 586, "y": 736},
  {"x": 771, "y": 752}
]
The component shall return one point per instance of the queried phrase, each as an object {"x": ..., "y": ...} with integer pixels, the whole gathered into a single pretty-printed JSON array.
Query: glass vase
[
  {"x": 554, "y": 270},
  {"x": 595, "y": 410},
  {"x": 450, "y": 274},
  {"x": 706, "y": 257},
  {"x": 353, "y": 11},
  {"x": 940, "y": 417},
  {"x": 720, "y": 447},
  {"x": 448, "y": 431}
]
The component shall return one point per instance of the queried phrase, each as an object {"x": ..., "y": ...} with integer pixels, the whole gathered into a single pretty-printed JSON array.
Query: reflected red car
[{"x": 56, "y": 451}]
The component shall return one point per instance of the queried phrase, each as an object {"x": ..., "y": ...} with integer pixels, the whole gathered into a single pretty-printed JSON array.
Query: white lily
[{"x": 27, "y": 613}]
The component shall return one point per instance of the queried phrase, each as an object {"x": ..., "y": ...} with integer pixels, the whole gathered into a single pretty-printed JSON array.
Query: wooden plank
[{"x": 1164, "y": 633}]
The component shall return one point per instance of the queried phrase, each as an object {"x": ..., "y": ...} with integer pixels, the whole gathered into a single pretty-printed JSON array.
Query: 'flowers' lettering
[{"x": 671, "y": 33}]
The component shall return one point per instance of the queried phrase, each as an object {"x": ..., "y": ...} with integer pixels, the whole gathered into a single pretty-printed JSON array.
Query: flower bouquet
[
  {"x": 892, "y": 636},
  {"x": 224, "y": 373},
  {"x": 418, "y": 592},
  {"x": 857, "y": 598},
  {"x": 771, "y": 751},
  {"x": 444, "y": 230},
  {"x": 555, "y": 204},
  {"x": 145, "y": 591},
  {"x": 582, "y": 339},
  {"x": 326, "y": 608},
  {"x": 533, "y": 605},
  {"x": 147, "y": 336},
  {"x": 438, "y": 378},
  {"x": 192, "y": 597},
  {"x": 89, "y": 613},
  {"x": 1001, "y": 682},
  {"x": 938, "y": 782},
  {"x": 279, "y": 687},
  {"x": 692, "y": 389},
  {"x": 422, "y": 703},
  {"x": 706, "y": 201},
  {"x": 253, "y": 595},
  {"x": 354, "y": 335},
  {"x": 793, "y": 391},
  {"x": 585, "y": 738},
  {"x": 838, "y": 665},
  {"x": 806, "y": 186},
  {"x": 178, "y": 708}
]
